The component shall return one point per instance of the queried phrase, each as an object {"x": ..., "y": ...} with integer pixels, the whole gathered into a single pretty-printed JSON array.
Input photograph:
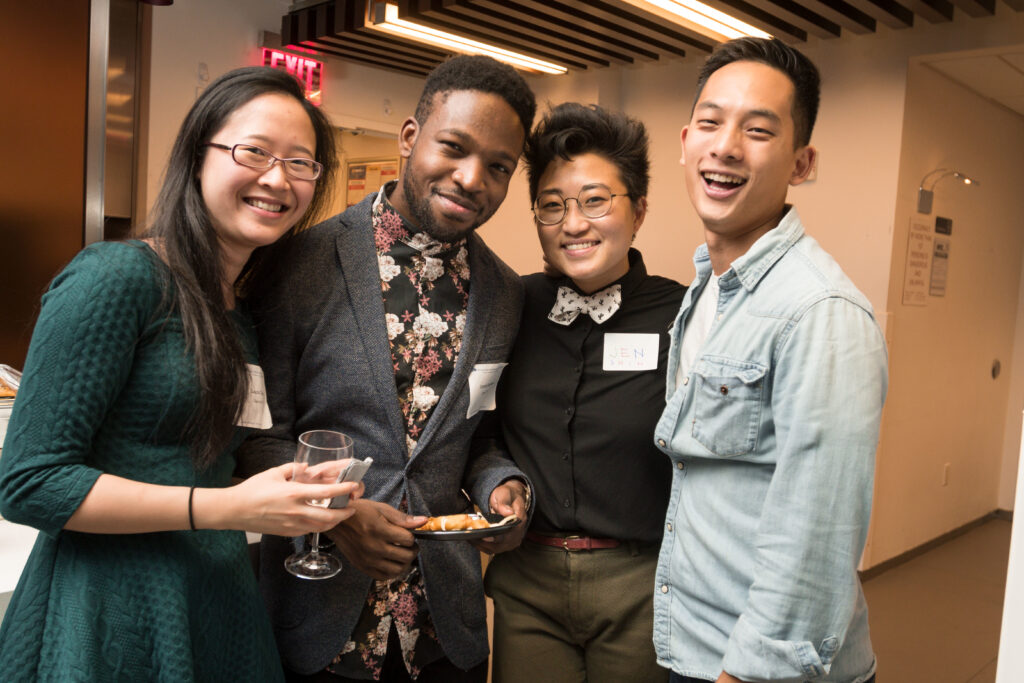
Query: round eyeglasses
[
  {"x": 594, "y": 202},
  {"x": 257, "y": 157}
]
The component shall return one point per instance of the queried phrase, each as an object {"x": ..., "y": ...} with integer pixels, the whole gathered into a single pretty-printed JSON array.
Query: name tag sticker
[
  {"x": 483, "y": 383},
  {"x": 255, "y": 412},
  {"x": 624, "y": 352}
]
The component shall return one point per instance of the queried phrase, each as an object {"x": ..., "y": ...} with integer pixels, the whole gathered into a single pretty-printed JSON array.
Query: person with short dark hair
[
  {"x": 140, "y": 382},
  {"x": 776, "y": 380},
  {"x": 479, "y": 74},
  {"x": 391, "y": 324},
  {"x": 577, "y": 406}
]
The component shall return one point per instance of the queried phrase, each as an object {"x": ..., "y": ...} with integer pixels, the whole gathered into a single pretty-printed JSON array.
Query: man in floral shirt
[{"x": 390, "y": 323}]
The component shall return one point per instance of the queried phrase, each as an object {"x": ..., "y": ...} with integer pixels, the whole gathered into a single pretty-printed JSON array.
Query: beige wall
[{"x": 943, "y": 406}]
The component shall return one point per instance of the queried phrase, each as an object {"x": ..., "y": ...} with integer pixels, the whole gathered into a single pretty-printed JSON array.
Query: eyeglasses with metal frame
[
  {"x": 256, "y": 157},
  {"x": 594, "y": 201}
]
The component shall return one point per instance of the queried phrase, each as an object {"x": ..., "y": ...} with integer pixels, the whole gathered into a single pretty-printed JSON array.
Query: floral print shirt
[{"x": 425, "y": 285}]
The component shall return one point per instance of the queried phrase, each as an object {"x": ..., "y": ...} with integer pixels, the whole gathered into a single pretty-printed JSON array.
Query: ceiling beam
[
  {"x": 977, "y": 8},
  {"x": 798, "y": 15},
  {"x": 887, "y": 12},
  {"x": 843, "y": 14},
  {"x": 934, "y": 11},
  {"x": 511, "y": 15},
  {"x": 604, "y": 17},
  {"x": 774, "y": 24}
]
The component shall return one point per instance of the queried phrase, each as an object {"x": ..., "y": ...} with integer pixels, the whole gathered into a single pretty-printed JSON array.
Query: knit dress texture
[{"x": 109, "y": 388}]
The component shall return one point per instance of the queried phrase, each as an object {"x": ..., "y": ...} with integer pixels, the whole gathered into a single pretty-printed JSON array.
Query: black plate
[{"x": 466, "y": 535}]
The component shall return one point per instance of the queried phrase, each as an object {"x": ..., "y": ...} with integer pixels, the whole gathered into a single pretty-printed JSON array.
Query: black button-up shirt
[{"x": 583, "y": 434}]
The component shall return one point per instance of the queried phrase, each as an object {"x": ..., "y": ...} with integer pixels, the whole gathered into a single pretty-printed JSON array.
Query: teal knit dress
[{"x": 108, "y": 387}]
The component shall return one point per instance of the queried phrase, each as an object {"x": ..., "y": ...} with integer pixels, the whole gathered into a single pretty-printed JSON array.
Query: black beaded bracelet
[{"x": 191, "y": 520}]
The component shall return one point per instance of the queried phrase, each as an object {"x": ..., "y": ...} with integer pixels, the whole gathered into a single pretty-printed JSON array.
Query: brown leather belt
[{"x": 573, "y": 542}]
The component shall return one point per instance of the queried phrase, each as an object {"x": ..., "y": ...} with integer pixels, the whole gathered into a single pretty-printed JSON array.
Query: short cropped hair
[
  {"x": 483, "y": 74},
  {"x": 774, "y": 53},
  {"x": 572, "y": 129}
]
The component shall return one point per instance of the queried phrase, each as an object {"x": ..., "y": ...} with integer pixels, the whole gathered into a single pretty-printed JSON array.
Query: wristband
[{"x": 191, "y": 520}]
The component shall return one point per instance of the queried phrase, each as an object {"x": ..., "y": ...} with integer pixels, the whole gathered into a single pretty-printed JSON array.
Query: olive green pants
[{"x": 573, "y": 616}]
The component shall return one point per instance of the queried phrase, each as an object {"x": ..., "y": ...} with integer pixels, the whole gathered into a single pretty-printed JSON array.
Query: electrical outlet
[{"x": 945, "y": 474}]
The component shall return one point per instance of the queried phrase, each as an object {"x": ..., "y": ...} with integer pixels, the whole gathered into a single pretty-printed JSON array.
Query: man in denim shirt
[{"x": 776, "y": 380}]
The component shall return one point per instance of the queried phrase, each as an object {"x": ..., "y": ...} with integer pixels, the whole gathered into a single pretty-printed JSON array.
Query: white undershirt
[{"x": 697, "y": 327}]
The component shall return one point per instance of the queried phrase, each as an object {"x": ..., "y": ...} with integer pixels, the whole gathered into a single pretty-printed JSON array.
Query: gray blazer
[{"x": 324, "y": 348}]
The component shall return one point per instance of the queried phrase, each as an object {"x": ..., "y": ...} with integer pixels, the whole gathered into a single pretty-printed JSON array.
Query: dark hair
[
  {"x": 484, "y": 74},
  {"x": 572, "y": 129},
  {"x": 185, "y": 237},
  {"x": 774, "y": 53}
]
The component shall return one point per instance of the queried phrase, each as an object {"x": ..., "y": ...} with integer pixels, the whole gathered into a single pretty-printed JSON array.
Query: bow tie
[{"x": 599, "y": 306}]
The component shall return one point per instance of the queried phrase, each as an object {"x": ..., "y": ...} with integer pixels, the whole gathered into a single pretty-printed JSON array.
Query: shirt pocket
[{"x": 727, "y": 405}]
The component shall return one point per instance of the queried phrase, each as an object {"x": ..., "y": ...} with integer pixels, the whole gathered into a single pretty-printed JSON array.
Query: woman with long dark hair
[{"x": 140, "y": 382}]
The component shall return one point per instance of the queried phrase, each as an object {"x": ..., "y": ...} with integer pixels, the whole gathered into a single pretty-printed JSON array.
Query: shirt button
[
  {"x": 720, "y": 316},
  {"x": 578, "y": 369},
  {"x": 566, "y": 503},
  {"x": 680, "y": 465},
  {"x": 669, "y": 525},
  {"x": 565, "y": 456},
  {"x": 686, "y": 380},
  {"x": 568, "y": 411},
  {"x": 661, "y": 442},
  {"x": 664, "y": 588}
]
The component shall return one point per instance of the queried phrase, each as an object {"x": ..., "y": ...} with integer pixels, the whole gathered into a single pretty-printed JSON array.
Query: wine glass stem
[{"x": 316, "y": 543}]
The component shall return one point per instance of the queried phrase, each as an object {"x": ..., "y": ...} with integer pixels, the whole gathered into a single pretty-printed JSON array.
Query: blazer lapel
[
  {"x": 482, "y": 290},
  {"x": 357, "y": 257}
]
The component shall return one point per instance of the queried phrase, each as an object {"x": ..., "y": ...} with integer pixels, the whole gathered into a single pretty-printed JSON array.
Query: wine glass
[{"x": 320, "y": 458}]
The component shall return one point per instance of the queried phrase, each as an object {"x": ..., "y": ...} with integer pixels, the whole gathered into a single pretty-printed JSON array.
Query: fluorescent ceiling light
[
  {"x": 701, "y": 18},
  {"x": 391, "y": 23}
]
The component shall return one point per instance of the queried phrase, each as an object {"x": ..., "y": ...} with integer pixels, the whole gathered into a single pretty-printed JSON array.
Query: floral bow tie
[{"x": 599, "y": 306}]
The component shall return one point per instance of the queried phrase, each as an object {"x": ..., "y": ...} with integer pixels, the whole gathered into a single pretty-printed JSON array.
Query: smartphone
[{"x": 354, "y": 472}]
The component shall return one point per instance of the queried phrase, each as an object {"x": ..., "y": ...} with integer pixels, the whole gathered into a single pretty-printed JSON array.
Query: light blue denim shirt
[{"x": 772, "y": 435}]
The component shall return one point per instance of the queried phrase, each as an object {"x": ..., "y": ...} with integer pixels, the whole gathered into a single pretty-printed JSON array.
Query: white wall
[
  {"x": 1011, "y": 655},
  {"x": 1008, "y": 476}
]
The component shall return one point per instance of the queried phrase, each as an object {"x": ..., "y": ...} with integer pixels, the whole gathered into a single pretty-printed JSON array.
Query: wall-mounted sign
[
  {"x": 918, "y": 264},
  {"x": 367, "y": 175},
  {"x": 307, "y": 70},
  {"x": 940, "y": 266}
]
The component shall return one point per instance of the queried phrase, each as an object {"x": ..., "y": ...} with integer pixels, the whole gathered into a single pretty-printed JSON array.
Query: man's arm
[
  {"x": 828, "y": 389},
  {"x": 494, "y": 477}
]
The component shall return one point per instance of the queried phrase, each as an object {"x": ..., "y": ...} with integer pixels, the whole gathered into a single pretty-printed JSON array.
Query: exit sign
[{"x": 307, "y": 70}]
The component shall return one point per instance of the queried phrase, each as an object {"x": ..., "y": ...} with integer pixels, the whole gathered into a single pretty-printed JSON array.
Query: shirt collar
[{"x": 749, "y": 268}]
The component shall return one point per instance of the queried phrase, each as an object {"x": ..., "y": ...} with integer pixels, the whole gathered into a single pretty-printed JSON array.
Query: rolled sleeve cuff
[{"x": 750, "y": 656}]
